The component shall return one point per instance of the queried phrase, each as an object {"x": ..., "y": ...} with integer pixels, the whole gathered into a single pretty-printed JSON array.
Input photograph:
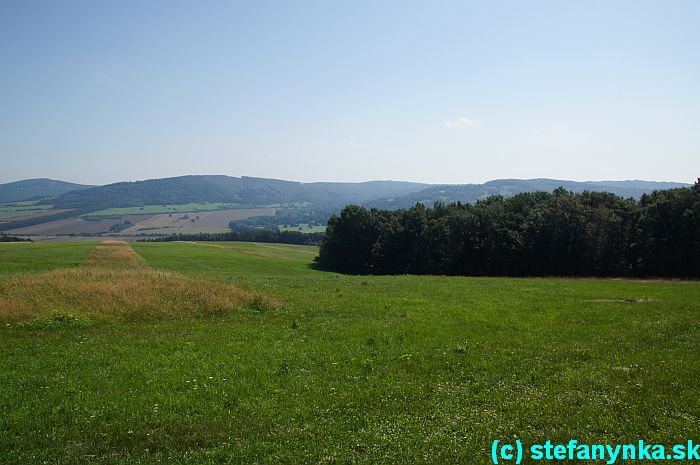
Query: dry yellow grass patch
[
  {"x": 115, "y": 254},
  {"x": 116, "y": 284}
]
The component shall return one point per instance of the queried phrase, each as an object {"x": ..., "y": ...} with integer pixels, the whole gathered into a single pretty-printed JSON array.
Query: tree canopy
[{"x": 531, "y": 234}]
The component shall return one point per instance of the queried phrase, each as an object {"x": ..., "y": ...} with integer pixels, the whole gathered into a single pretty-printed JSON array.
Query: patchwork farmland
[
  {"x": 214, "y": 220},
  {"x": 188, "y": 221}
]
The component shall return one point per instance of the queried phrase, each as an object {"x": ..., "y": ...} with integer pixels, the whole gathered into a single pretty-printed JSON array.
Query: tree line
[
  {"x": 250, "y": 235},
  {"x": 4, "y": 238},
  {"x": 292, "y": 216},
  {"x": 531, "y": 234}
]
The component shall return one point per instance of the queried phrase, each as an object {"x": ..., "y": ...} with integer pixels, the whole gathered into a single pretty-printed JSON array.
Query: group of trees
[
  {"x": 4, "y": 238},
  {"x": 292, "y": 216},
  {"x": 250, "y": 235},
  {"x": 531, "y": 234}
]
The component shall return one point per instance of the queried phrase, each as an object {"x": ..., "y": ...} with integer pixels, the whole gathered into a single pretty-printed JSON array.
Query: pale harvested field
[
  {"x": 213, "y": 219},
  {"x": 28, "y": 214},
  {"x": 55, "y": 238},
  {"x": 75, "y": 226},
  {"x": 67, "y": 226}
]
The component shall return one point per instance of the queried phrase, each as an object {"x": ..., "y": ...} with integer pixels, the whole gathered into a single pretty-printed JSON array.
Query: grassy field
[
  {"x": 346, "y": 369},
  {"x": 178, "y": 230},
  {"x": 26, "y": 257},
  {"x": 152, "y": 209},
  {"x": 207, "y": 222},
  {"x": 303, "y": 227},
  {"x": 15, "y": 208}
]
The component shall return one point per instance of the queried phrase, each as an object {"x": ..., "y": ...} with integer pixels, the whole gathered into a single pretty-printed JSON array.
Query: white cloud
[{"x": 461, "y": 122}]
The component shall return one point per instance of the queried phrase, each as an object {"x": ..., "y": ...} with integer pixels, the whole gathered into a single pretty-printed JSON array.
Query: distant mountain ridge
[
  {"x": 35, "y": 188},
  {"x": 470, "y": 193},
  {"x": 227, "y": 189},
  {"x": 263, "y": 191},
  {"x": 298, "y": 203}
]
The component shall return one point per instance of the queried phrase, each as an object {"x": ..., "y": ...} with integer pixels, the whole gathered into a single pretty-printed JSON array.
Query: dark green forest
[
  {"x": 241, "y": 191},
  {"x": 530, "y": 234},
  {"x": 4, "y": 238},
  {"x": 249, "y": 235},
  {"x": 35, "y": 189}
]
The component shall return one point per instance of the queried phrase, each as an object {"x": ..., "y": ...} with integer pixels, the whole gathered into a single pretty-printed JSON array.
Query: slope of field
[
  {"x": 21, "y": 215},
  {"x": 352, "y": 369},
  {"x": 74, "y": 226},
  {"x": 27, "y": 257},
  {"x": 152, "y": 209},
  {"x": 166, "y": 223},
  {"x": 14, "y": 208},
  {"x": 213, "y": 220}
]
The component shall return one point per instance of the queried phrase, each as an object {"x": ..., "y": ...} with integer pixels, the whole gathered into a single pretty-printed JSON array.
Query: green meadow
[
  {"x": 346, "y": 369},
  {"x": 302, "y": 227},
  {"x": 155, "y": 209},
  {"x": 27, "y": 257},
  {"x": 16, "y": 208}
]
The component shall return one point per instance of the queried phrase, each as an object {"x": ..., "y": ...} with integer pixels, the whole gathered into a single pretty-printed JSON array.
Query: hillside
[
  {"x": 470, "y": 193},
  {"x": 35, "y": 188},
  {"x": 243, "y": 190},
  {"x": 160, "y": 206},
  {"x": 262, "y": 191}
]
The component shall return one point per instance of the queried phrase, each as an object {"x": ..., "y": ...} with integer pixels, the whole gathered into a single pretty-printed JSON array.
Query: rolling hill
[
  {"x": 470, "y": 193},
  {"x": 128, "y": 206},
  {"x": 243, "y": 190},
  {"x": 35, "y": 188}
]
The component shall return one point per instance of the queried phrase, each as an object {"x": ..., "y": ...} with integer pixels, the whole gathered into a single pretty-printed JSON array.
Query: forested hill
[
  {"x": 470, "y": 193},
  {"x": 530, "y": 234},
  {"x": 35, "y": 188},
  {"x": 243, "y": 190},
  {"x": 262, "y": 191}
]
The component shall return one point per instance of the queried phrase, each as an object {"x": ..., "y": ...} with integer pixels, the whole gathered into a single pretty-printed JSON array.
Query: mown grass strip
[
  {"x": 115, "y": 254},
  {"x": 117, "y": 283}
]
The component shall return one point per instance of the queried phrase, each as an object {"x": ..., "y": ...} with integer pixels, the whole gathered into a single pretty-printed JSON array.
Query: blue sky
[{"x": 442, "y": 92}]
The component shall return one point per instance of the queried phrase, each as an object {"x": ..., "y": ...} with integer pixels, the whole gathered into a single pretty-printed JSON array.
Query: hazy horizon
[
  {"x": 441, "y": 93},
  {"x": 360, "y": 181}
]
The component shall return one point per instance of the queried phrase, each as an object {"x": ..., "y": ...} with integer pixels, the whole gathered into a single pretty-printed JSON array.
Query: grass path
[
  {"x": 116, "y": 282},
  {"x": 115, "y": 254}
]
